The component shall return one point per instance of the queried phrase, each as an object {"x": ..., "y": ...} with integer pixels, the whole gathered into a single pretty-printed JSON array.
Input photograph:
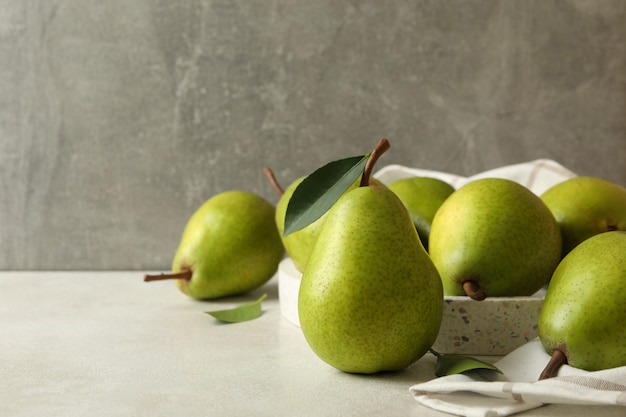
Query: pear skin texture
[
  {"x": 370, "y": 299},
  {"x": 584, "y": 310},
  {"x": 498, "y": 233},
  {"x": 231, "y": 244},
  {"x": 586, "y": 206},
  {"x": 422, "y": 197}
]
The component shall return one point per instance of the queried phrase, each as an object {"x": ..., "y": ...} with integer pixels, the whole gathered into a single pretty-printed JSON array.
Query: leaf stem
[
  {"x": 434, "y": 352},
  {"x": 382, "y": 147}
]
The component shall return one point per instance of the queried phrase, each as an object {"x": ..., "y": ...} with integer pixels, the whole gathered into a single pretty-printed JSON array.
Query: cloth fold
[
  {"x": 488, "y": 393},
  {"x": 537, "y": 175}
]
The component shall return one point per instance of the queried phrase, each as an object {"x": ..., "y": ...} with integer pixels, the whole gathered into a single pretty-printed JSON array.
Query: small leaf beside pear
[
  {"x": 320, "y": 190},
  {"x": 448, "y": 364},
  {"x": 244, "y": 312}
]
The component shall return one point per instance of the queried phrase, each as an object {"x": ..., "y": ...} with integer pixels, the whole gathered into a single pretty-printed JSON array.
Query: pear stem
[
  {"x": 434, "y": 352},
  {"x": 382, "y": 147},
  {"x": 186, "y": 274},
  {"x": 551, "y": 370},
  {"x": 269, "y": 174},
  {"x": 473, "y": 290}
]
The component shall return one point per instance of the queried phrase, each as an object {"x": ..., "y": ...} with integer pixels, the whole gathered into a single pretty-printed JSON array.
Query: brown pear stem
[
  {"x": 382, "y": 147},
  {"x": 186, "y": 274},
  {"x": 557, "y": 360},
  {"x": 473, "y": 290},
  {"x": 269, "y": 174}
]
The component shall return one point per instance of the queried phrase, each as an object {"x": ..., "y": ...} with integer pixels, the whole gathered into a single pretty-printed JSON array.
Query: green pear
[
  {"x": 494, "y": 237},
  {"x": 586, "y": 206},
  {"x": 370, "y": 299},
  {"x": 299, "y": 244},
  {"x": 581, "y": 322},
  {"x": 422, "y": 196},
  {"x": 229, "y": 246}
]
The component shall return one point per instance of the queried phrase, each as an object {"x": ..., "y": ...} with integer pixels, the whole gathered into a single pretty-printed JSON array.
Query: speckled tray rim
[{"x": 493, "y": 334}]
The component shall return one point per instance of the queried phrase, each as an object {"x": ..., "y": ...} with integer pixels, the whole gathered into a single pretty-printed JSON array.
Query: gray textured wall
[{"x": 118, "y": 118}]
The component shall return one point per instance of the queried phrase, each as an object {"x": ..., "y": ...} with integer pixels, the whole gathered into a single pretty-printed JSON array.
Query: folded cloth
[
  {"x": 488, "y": 393},
  {"x": 537, "y": 175}
]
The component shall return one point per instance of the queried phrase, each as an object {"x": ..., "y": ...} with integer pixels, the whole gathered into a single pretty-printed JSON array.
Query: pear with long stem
[
  {"x": 370, "y": 298},
  {"x": 229, "y": 246}
]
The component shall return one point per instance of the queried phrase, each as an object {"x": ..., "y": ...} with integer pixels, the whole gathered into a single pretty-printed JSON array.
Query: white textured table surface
[{"x": 108, "y": 344}]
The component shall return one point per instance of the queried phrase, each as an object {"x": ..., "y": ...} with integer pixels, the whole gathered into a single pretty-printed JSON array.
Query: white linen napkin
[
  {"x": 537, "y": 175},
  {"x": 488, "y": 393}
]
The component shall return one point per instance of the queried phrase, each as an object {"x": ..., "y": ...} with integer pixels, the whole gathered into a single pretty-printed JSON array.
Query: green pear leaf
[
  {"x": 244, "y": 312},
  {"x": 449, "y": 364},
  {"x": 320, "y": 190}
]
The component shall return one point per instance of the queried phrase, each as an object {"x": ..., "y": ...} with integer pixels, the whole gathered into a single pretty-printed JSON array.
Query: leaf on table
[
  {"x": 320, "y": 190},
  {"x": 448, "y": 364},
  {"x": 244, "y": 312}
]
